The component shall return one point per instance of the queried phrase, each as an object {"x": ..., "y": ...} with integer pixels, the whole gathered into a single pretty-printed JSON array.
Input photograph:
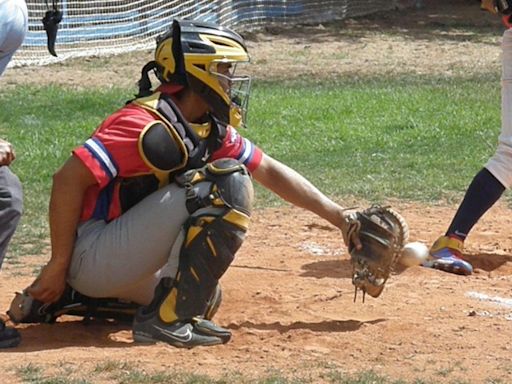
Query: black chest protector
[{"x": 169, "y": 146}]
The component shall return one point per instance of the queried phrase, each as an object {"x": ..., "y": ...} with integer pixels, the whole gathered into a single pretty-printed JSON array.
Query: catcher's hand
[
  {"x": 24, "y": 309},
  {"x": 382, "y": 233}
]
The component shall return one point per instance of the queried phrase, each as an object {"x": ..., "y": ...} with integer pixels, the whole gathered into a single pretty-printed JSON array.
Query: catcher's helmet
[{"x": 190, "y": 54}]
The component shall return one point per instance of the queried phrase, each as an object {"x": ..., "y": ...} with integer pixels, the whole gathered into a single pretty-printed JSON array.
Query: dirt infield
[{"x": 288, "y": 298}]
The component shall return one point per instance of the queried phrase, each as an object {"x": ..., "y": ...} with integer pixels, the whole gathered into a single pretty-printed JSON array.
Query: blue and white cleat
[{"x": 446, "y": 255}]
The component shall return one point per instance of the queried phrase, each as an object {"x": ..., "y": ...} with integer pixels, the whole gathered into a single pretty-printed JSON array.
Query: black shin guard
[
  {"x": 202, "y": 263},
  {"x": 219, "y": 198}
]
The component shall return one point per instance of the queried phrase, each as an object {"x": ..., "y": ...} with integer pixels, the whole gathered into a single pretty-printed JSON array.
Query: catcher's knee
[
  {"x": 224, "y": 183},
  {"x": 220, "y": 202}
]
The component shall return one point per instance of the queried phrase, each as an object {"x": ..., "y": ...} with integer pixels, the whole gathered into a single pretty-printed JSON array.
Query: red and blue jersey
[{"x": 112, "y": 154}]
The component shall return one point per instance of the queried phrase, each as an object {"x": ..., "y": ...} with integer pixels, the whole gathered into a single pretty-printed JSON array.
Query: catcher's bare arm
[
  {"x": 296, "y": 189},
  {"x": 69, "y": 186}
]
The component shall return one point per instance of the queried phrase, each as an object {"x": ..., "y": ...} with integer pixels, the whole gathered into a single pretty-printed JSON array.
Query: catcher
[{"x": 153, "y": 207}]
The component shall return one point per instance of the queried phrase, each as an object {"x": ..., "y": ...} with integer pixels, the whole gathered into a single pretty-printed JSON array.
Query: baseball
[{"x": 413, "y": 254}]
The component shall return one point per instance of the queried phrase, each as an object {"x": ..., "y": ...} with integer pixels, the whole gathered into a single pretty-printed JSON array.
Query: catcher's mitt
[{"x": 383, "y": 233}]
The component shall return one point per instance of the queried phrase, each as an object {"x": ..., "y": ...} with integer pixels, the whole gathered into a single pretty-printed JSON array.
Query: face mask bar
[{"x": 236, "y": 87}]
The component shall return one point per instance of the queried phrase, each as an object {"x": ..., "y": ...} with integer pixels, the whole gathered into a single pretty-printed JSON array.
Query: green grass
[
  {"x": 44, "y": 125},
  {"x": 417, "y": 138},
  {"x": 33, "y": 374},
  {"x": 117, "y": 372}
]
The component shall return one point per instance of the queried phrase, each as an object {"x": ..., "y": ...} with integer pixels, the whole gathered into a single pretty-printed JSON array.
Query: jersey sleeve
[
  {"x": 98, "y": 160},
  {"x": 237, "y": 147},
  {"x": 113, "y": 148}
]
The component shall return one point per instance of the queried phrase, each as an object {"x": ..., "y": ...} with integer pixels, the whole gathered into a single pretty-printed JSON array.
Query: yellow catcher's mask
[{"x": 205, "y": 57}]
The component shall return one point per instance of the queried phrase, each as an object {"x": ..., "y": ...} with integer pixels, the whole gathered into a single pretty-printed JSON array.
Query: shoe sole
[
  {"x": 149, "y": 340},
  {"x": 11, "y": 343},
  {"x": 451, "y": 269},
  {"x": 143, "y": 339}
]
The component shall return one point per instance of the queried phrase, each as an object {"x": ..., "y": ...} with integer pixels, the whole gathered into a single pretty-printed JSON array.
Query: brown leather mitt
[{"x": 382, "y": 233}]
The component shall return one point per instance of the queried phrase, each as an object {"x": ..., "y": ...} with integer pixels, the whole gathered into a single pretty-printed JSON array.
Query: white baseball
[{"x": 413, "y": 254}]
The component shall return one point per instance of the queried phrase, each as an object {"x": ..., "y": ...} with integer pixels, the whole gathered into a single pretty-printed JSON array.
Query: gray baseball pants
[
  {"x": 11, "y": 207},
  {"x": 13, "y": 28},
  {"x": 126, "y": 257},
  {"x": 500, "y": 164}
]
